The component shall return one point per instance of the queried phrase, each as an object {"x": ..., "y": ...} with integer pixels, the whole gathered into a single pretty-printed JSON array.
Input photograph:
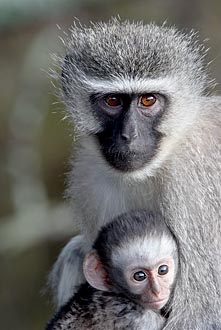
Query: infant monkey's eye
[
  {"x": 163, "y": 270},
  {"x": 139, "y": 276}
]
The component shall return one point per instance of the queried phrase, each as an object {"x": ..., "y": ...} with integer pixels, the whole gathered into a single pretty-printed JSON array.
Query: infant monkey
[{"x": 131, "y": 272}]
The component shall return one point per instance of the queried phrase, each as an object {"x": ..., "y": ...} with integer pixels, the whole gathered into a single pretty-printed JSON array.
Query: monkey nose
[
  {"x": 129, "y": 132},
  {"x": 156, "y": 293},
  {"x": 128, "y": 136},
  {"x": 155, "y": 288}
]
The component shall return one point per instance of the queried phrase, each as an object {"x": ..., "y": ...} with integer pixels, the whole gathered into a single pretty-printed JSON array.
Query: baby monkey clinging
[{"x": 130, "y": 271}]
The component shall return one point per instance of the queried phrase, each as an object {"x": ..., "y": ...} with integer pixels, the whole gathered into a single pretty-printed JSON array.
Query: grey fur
[
  {"x": 63, "y": 265},
  {"x": 105, "y": 311},
  {"x": 182, "y": 180},
  {"x": 123, "y": 50}
]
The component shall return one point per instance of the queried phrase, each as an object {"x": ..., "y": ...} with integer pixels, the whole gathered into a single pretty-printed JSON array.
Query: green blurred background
[{"x": 35, "y": 142}]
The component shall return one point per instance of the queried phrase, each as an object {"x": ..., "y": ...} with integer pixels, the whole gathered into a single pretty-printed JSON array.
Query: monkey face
[
  {"x": 129, "y": 138},
  {"x": 153, "y": 285},
  {"x": 145, "y": 268}
]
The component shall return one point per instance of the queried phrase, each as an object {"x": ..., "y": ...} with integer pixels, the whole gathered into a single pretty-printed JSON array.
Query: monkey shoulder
[
  {"x": 202, "y": 142},
  {"x": 93, "y": 309}
]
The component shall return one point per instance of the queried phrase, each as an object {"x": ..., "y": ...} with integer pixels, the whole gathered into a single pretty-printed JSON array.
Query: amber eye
[
  {"x": 113, "y": 100},
  {"x": 139, "y": 276},
  {"x": 163, "y": 270},
  {"x": 147, "y": 100}
]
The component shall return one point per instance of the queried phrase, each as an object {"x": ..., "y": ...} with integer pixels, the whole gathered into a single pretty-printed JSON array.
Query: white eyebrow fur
[{"x": 132, "y": 85}]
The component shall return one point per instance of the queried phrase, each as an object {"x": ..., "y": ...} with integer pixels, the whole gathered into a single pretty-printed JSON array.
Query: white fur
[
  {"x": 147, "y": 251},
  {"x": 132, "y": 85}
]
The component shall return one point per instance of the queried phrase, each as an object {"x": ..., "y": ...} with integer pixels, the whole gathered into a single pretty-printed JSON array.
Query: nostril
[
  {"x": 128, "y": 130},
  {"x": 125, "y": 137},
  {"x": 128, "y": 136}
]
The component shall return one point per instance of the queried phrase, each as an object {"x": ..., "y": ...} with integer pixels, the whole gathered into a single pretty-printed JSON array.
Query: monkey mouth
[
  {"x": 125, "y": 157},
  {"x": 126, "y": 161}
]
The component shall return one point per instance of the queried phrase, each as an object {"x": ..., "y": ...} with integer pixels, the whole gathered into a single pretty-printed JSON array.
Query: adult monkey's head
[{"x": 135, "y": 88}]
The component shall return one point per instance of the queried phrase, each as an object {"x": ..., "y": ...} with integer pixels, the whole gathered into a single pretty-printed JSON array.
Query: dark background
[{"x": 35, "y": 142}]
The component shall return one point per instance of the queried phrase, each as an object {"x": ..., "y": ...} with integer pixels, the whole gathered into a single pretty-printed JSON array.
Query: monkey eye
[
  {"x": 163, "y": 270},
  {"x": 147, "y": 100},
  {"x": 139, "y": 276},
  {"x": 113, "y": 101}
]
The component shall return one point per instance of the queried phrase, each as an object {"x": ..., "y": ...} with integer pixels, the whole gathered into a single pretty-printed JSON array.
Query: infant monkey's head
[{"x": 135, "y": 255}]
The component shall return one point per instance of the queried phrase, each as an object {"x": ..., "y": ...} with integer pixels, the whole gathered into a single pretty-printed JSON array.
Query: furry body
[
  {"x": 182, "y": 181},
  {"x": 95, "y": 309}
]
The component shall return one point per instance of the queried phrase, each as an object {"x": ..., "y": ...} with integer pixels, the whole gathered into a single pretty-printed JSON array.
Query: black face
[{"x": 129, "y": 138}]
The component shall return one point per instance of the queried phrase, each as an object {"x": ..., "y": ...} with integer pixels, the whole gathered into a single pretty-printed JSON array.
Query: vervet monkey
[
  {"x": 148, "y": 132},
  {"x": 132, "y": 271}
]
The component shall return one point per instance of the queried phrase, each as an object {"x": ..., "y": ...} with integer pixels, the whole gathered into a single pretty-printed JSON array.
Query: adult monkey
[{"x": 149, "y": 137}]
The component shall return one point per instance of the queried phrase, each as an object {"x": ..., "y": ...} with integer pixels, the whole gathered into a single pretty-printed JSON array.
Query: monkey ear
[{"x": 94, "y": 271}]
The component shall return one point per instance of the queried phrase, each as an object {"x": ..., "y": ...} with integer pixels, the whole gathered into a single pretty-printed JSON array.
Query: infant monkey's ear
[{"x": 94, "y": 271}]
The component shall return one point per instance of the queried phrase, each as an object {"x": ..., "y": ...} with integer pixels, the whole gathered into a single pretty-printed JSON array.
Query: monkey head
[
  {"x": 134, "y": 89},
  {"x": 143, "y": 267}
]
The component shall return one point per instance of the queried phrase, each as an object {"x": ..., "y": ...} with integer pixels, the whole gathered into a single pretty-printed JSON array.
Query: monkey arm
[{"x": 97, "y": 310}]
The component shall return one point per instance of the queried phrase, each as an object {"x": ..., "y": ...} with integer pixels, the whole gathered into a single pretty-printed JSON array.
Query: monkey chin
[{"x": 155, "y": 304}]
